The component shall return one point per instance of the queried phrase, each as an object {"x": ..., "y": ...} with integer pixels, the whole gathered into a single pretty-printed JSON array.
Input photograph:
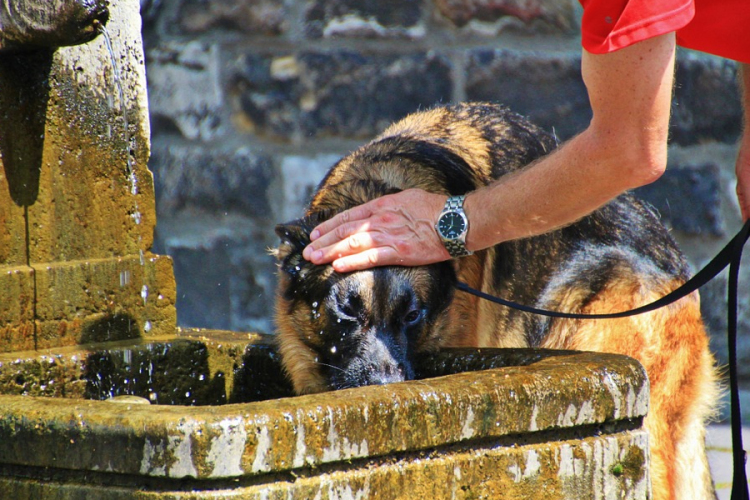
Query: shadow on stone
[
  {"x": 170, "y": 373},
  {"x": 110, "y": 327},
  {"x": 260, "y": 376},
  {"x": 25, "y": 80}
]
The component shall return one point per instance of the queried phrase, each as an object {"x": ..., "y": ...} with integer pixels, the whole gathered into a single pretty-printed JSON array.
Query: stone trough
[
  {"x": 102, "y": 397},
  {"x": 533, "y": 424}
]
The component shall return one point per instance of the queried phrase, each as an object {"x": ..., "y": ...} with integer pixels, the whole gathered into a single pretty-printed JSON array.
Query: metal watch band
[
  {"x": 457, "y": 247},
  {"x": 454, "y": 203}
]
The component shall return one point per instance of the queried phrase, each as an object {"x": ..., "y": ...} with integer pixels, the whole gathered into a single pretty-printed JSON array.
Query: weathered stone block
[
  {"x": 203, "y": 293},
  {"x": 106, "y": 299},
  {"x": 184, "y": 89},
  {"x": 225, "y": 275},
  {"x": 340, "y": 93},
  {"x": 553, "y": 15},
  {"x": 547, "y": 88},
  {"x": 13, "y": 249},
  {"x": 299, "y": 176},
  {"x": 17, "y": 308},
  {"x": 367, "y": 19},
  {"x": 213, "y": 180},
  {"x": 688, "y": 199},
  {"x": 706, "y": 103},
  {"x": 266, "y": 17}
]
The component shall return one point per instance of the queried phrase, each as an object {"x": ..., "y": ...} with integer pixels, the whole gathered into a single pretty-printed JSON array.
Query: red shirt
[{"x": 720, "y": 27}]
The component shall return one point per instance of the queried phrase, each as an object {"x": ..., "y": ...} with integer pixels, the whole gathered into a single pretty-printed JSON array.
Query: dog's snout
[
  {"x": 388, "y": 372},
  {"x": 391, "y": 369}
]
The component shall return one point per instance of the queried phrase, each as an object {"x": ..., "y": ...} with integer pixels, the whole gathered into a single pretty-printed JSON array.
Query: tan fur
[{"x": 672, "y": 345}]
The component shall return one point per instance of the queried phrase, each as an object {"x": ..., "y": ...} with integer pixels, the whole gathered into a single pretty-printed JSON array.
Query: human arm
[
  {"x": 624, "y": 147},
  {"x": 742, "y": 167}
]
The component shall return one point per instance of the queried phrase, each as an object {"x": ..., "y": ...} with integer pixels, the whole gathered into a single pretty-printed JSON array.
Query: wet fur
[{"x": 615, "y": 259}]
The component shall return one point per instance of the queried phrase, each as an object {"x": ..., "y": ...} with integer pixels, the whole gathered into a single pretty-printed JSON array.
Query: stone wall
[{"x": 252, "y": 101}]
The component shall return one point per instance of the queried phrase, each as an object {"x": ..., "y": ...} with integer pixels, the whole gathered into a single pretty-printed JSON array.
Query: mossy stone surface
[{"x": 516, "y": 429}]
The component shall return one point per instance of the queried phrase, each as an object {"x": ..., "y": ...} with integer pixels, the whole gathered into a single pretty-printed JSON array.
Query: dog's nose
[
  {"x": 387, "y": 373},
  {"x": 394, "y": 370}
]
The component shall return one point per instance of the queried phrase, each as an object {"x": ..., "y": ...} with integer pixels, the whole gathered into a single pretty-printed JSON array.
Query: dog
[{"x": 348, "y": 330}]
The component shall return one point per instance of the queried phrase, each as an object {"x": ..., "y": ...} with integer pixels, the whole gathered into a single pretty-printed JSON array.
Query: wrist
[{"x": 484, "y": 231}]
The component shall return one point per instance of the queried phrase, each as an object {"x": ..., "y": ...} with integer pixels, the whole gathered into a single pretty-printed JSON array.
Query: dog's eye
[
  {"x": 413, "y": 316},
  {"x": 348, "y": 310}
]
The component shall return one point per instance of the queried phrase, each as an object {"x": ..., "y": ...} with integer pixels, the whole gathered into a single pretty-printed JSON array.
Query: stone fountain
[{"x": 103, "y": 397}]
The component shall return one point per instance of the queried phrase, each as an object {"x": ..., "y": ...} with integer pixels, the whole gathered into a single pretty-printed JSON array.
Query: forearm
[
  {"x": 624, "y": 147},
  {"x": 568, "y": 184},
  {"x": 744, "y": 76},
  {"x": 742, "y": 166}
]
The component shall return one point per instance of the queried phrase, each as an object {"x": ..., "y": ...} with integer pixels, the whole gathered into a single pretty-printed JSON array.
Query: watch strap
[{"x": 456, "y": 247}]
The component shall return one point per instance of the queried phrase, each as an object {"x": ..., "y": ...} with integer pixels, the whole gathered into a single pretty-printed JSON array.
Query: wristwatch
[{"x": 452, "y": 226}]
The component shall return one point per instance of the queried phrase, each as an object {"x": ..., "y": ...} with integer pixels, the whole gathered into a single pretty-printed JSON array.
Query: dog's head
[{"x": 354, "y": 329}]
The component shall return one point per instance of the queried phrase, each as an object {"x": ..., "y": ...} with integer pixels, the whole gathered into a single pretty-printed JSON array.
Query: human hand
[{"x": 396, "y": 229}]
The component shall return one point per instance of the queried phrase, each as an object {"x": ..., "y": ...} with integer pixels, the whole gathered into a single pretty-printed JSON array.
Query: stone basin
[{"x": 520, "y": 424}]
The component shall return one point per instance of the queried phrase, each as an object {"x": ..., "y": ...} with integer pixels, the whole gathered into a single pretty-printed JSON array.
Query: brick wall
[{"x": 251, "y": 102}]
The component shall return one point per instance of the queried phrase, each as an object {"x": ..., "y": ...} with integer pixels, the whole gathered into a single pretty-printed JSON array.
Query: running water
[
  {"x": 132, "y": 179},
  {"x": 129, "y": 146}
]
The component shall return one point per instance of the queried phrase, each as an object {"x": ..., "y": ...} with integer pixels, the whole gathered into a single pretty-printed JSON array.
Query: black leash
[{"x": 730, "y": 255}]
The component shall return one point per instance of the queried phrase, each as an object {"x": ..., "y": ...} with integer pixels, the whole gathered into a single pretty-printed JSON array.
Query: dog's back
[{"x": 616, "y": 259}]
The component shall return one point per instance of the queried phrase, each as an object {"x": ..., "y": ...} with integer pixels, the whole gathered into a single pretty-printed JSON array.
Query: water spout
[{"x": 34, "y": 24}]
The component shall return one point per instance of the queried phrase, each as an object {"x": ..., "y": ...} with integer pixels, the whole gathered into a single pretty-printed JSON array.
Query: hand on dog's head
[{"x": 358, "y": 328}]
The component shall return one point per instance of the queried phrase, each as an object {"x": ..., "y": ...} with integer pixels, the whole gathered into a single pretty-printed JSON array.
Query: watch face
[{"x": 451, "y": 225}]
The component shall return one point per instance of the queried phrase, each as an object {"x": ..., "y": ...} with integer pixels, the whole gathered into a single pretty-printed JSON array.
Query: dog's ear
[
  {"x": 302, "y": 277},
  {"x": 294, "y": 235}
]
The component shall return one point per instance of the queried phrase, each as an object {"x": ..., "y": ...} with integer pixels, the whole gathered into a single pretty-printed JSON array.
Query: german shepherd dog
[{"x": 348, "y": 330}]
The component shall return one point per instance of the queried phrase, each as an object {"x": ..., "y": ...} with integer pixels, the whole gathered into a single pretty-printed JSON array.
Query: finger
[
  {"x": 355, "y": 243},
  {"x": 357, "y": 213},
  {"x": 380, "y": 256},
  {"x": 326, "y": 246}
]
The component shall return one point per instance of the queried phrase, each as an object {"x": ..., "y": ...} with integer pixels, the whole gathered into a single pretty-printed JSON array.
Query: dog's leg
[{"x": 672, "y": 345}]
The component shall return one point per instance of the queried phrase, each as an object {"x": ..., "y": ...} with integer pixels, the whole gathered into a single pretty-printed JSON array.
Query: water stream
[{"x": 129, "y": 149}]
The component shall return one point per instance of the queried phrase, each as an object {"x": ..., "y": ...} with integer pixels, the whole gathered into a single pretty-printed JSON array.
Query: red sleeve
[
  {"x": 719, "y": 27},
  {"x": 610, "y": 25}
]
